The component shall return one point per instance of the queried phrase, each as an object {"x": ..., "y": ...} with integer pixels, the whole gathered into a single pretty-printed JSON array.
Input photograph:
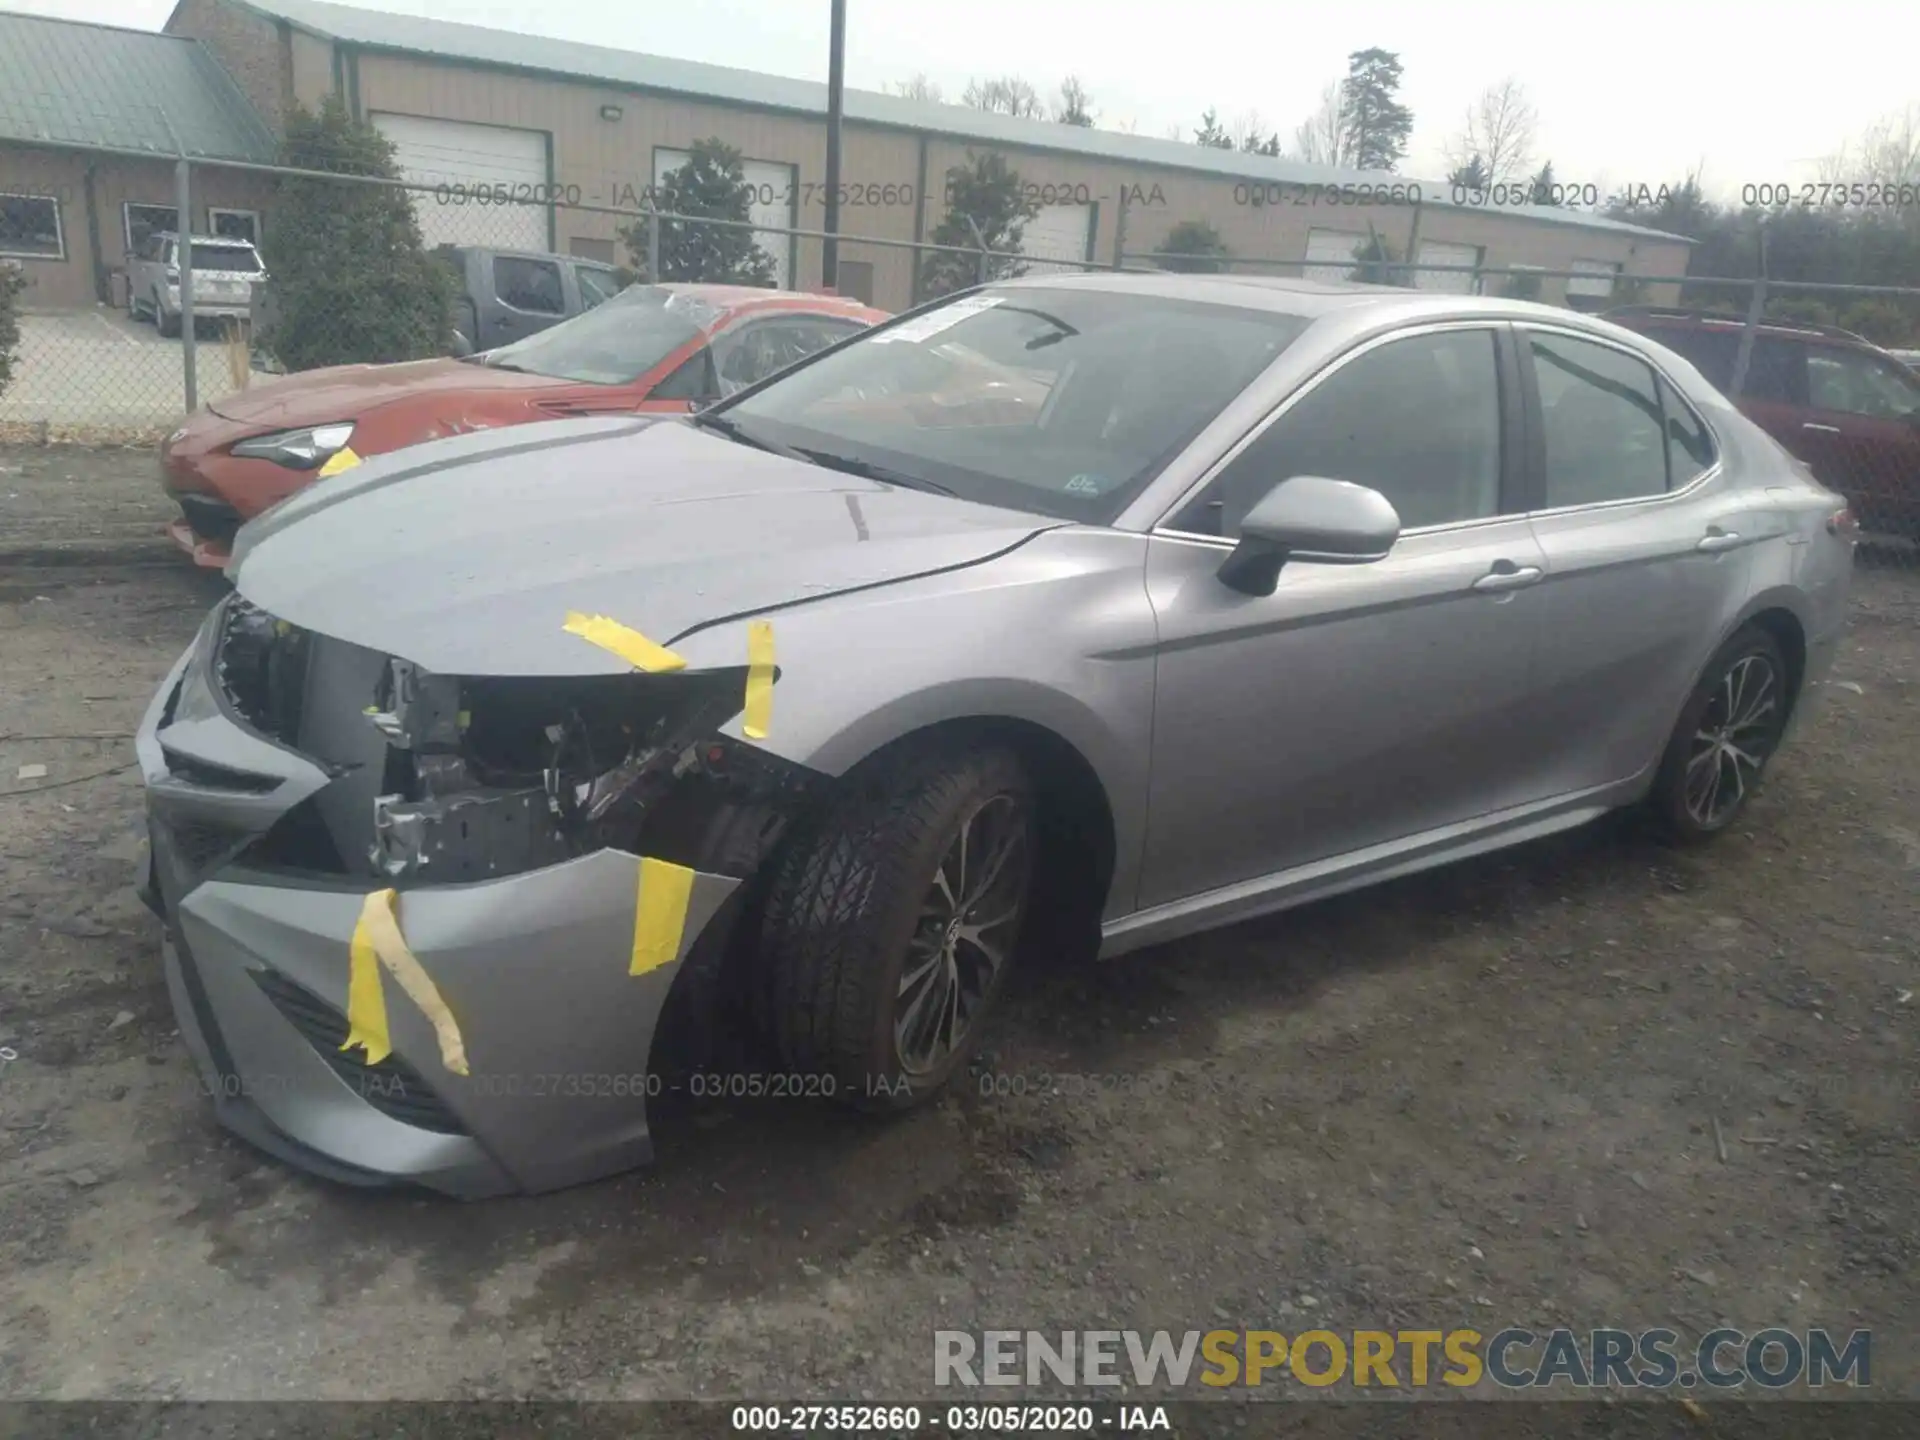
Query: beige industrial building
[{"x": 592, "y": 127}]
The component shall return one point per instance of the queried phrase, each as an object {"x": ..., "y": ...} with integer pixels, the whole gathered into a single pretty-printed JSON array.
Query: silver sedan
[{"x": 523, "y": 769}]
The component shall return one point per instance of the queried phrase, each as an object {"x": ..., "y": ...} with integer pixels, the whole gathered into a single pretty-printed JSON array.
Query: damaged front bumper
[{"x": 536, "y": 967}]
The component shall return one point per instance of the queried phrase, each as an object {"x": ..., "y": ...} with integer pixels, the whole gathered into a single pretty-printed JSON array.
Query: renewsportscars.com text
[{"x": 1513, "y": 1358}]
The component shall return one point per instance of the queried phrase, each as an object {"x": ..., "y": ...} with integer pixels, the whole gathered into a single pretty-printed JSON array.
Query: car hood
[
  {"x": 347, "y": 392},
  {"x": 466, "y": 555}
]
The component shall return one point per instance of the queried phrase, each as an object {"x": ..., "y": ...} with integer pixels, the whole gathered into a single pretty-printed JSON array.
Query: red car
[
  {"x": 652, "y": 349},
  {"x": 1848, "y": 409}
]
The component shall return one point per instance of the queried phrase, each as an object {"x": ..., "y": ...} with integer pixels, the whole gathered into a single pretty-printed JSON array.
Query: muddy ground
[{"x": 1484, "y": 1096}]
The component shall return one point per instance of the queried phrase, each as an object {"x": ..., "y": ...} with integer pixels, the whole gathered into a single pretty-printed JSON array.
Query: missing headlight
[{"x": 496, "y": 776}]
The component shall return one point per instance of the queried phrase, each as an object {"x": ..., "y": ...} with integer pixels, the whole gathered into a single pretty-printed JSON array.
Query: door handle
[
  {"x": 1717, "y": 540},
  {"x": 1512, "y": 577},
  {"x": 1822, "y": 429}
]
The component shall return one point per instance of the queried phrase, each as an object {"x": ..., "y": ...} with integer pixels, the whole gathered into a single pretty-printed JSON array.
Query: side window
[
  {"x": 532, "y": 285},
  {"x": 1605, "y": 432},
  {"x": 1777, "y": 371},
  {"x": 1857, "y": 384},
  {"x": 692, "y": 380},
  {"x": 749, "y": 356},
  {"x": 1689, "y": 445},
  {"x": 1710, "y": 351},
  {"x": 595, "y": 285},
  {"x": 1416, "y": 419}
]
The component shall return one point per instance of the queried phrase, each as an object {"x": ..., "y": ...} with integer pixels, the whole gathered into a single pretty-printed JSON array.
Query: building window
[
  {"x": 145, "y": 220},
  {"x": 30, "y": 227},
  {"x": 1591, "y": 287},
  {"x": 234, "y": 224},
  {"x": 856, "y": 279}
]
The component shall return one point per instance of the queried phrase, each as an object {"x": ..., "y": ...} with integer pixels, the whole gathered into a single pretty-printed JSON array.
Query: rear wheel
[
  {"x": 892, "y": 922},
  {"x": 1728, "y": 731}
]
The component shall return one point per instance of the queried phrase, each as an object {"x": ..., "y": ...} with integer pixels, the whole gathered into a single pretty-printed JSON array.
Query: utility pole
[{"x": 836, "y": 96}]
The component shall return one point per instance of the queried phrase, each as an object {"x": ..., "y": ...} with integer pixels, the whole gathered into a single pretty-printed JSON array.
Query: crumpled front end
[{"x": 549, "y": 852}]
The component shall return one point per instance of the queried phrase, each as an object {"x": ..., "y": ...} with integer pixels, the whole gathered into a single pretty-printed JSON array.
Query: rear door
[{"x": 1648, "y": 552}]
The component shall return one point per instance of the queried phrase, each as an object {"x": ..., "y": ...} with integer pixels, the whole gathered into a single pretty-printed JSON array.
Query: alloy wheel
[
  {"x": 965, "y": 931},
  {"x": 1731, "y": 744}
]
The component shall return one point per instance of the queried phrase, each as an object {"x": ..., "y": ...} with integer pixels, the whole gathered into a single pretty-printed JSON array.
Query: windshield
[
  {"x": 614, "y": 343},
  {"x": 1066, "y": 402}
]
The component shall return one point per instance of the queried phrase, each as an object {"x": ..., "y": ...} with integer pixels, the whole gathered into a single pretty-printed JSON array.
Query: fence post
[
  {"x": 183, "y": 217},
  {"x": 653, "y": 243},
  {"x": 1756, "y": 307},
  {"x": 980, "y": 240}
]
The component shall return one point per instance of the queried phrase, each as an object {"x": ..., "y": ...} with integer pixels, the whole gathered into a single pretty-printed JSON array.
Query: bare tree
[
  {"x": 1321, "y": 138},
  {"x": 1500, "y": 129},
  {"x": 1075, "y": 106},
  {"x": 1887, "y": 152},
  {"x": 1008, "y": 95},
  {"x": 919, "y": 87},
  {"x": 1251, "y": 134}
]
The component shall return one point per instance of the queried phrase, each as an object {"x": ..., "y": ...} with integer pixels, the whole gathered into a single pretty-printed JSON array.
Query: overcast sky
[{"x": 1641, "y": 94}]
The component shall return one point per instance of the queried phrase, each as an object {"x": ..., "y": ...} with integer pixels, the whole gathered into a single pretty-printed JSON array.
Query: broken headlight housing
[{"x": 304, "y": 449}]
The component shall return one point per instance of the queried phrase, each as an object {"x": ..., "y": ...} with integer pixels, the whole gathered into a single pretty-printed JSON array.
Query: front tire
[
  {"x": 892, "y": 921},
  {"x": 1728, "y": 731},
  {"x": 167, "y": 325}
]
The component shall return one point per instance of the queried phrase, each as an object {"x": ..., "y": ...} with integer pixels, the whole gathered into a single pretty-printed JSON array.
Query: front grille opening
[
  {"x": 392, "y": 1087},
  {"x": 299, "y": 841},
  {"x": 209, "y": 776},
  {"x": 209, "y": 518},
  {"x": 202, "y": 845}
]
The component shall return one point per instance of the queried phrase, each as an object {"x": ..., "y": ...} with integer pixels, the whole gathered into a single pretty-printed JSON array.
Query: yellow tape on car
[
  {"x": 660, "y": 914},
  {"x": 377, "y": 941},
  {"x": 759, "y": 680},
  {"x": 342, "y": 459},
  {"x": 630, "y": 645}
]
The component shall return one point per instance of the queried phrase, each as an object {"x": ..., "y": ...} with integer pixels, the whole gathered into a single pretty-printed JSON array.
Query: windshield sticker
[
  {"x": 945, "y": 318},
  {"x": 1087, "y": 485}
]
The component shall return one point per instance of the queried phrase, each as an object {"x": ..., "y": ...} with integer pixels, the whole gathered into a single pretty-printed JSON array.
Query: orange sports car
[{"x": 651, "y": 349}]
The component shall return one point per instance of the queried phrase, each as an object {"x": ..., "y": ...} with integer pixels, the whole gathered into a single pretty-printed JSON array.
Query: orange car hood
[{"x": 345, "y": 392}]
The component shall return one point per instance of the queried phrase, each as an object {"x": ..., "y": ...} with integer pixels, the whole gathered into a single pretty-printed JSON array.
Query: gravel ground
[{"x": 1483, "y": 1096}]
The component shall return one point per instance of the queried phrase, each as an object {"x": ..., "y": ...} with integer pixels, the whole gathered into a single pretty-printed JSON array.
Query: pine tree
[
  {"x": 352, "y": 281},
  {"x": 713, "y": 184}
]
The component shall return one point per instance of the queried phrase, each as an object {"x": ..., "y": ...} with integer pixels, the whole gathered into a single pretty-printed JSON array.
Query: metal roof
[
  {"x": 449, "y": 40},
  {"x": 64, "y": 82}
]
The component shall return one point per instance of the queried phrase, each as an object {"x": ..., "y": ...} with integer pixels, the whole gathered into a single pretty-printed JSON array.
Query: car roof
[
  {"x": 1349, "y": 303},
  {"x": 740, "y": 299},
  {"x": 1678, "y": 318},
  {"x": 204, "y": 239}
]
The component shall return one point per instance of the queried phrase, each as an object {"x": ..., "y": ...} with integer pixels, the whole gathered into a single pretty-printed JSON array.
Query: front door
[{"x": 1356, "y": 705}]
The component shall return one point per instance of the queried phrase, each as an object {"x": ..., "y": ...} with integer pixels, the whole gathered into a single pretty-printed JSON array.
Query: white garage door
[
  {"x": 1058, "y": 232},
  {"x": 1333, "y": 249},
  {"x": 774, "y": 186},
  {"x": 1446, "y": 282},
  {"x": 479, "y": 157}
]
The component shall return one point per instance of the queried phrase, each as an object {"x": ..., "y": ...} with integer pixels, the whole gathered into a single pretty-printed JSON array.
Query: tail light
[{"x": 1844, "y": 524}]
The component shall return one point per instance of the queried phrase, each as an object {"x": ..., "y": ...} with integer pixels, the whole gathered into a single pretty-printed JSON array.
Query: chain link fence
[
  {"x": 195, "y": 324},
  {"x": 199, "y": 324}
]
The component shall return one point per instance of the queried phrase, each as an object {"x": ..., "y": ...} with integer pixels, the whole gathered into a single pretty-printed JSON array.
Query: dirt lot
[{"x": 1485, "y": 1096}]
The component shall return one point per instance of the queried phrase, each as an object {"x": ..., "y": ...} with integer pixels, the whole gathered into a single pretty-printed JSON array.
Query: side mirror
[{"x": 1328, "y": 522}]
